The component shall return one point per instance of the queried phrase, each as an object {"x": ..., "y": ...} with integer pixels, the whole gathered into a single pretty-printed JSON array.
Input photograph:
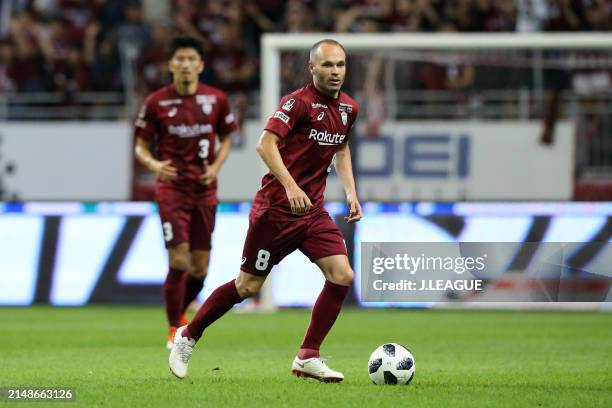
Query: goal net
[{"x": 543, "y": 79}]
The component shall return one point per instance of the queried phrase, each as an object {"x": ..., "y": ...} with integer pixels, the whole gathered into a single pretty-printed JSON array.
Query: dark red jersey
[
  {"x": 312, "y": 127},
  {"x": 186, "y": 128}
]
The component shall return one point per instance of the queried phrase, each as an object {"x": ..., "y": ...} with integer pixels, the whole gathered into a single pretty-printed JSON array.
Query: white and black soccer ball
[{"x": 391, "y": 363}]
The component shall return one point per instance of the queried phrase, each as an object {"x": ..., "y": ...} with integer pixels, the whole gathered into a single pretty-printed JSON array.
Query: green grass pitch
[{"x": 115, "y": 357}]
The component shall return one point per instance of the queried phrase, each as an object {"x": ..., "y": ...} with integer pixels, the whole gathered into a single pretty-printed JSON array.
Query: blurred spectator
[
  {"x": 108, "y": 13},
  {"x": 106, "y": 73},
  {"x": 75, "y": 15},
  {"x": 60, "y": 35},
  {"x": 461, "y": 14},
  {"x": 504, "y": 16},
  {"x": 261, "y": 22},
  {"x": 153, "y": 61},
  {"x": 426, "y": 15},
  {"x": 234, "y": 69},
  {"x": 32, "y": 73},
  {"x": 71, "y": 74},
  {"x": 235, "y": 14},
  {"x": 498, "y": 15},
  {"x": 563, "y": 15},
  {"x": 597, "y": 14},
  {"x": 197, "y": 20},
  {"x": 8, "y": 8},
  {"x": 299, "y": 19},
  {"x": 267, "y": 15},
  {"x": 349, "y": 16},
  {"x": 102, "y": 55},
  {"x": 530, "y": 15},
  {"x": 7, "y": 67},
  {"x": 134, "y": 30}
]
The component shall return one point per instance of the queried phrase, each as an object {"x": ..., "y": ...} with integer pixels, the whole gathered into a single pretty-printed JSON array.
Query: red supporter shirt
[
  {"x": 186, "y": 128},
  {"x": 312, "y": 127}
]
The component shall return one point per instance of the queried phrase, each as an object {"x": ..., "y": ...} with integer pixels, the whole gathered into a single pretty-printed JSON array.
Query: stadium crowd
[{"x": 76, "y": 45}]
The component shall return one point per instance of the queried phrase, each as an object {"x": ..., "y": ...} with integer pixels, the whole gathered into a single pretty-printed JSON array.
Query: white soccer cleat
[
  {"x": 180, "y": 353},
  {"x": 315, "y": 368}
]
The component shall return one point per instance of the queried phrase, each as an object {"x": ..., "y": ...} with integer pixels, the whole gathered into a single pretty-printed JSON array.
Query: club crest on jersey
[
  {"x": 344, "y": 116},
  {"x": 287, "y": 106},
  {"x": 320, "y": 115},
  {"x": 345, "y": 107}
]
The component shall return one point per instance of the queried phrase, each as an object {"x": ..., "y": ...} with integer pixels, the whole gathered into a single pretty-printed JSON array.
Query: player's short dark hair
[
  {"x": 316, "y": 46},
  {"x": 186, "y": 42}
]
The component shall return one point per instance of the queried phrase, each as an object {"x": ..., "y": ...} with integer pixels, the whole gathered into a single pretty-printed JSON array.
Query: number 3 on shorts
[
  {"x": 168, "y": 235},
  {"x": 263, "y": 257}
]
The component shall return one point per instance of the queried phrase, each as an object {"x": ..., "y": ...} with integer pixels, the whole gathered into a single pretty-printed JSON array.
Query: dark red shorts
[
  {"x": 186, "y": 218},
  {"x": 269, "y": 241}
]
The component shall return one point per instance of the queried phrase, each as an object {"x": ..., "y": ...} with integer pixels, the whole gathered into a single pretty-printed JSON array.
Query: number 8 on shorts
[{"x": 263, "y": 257}]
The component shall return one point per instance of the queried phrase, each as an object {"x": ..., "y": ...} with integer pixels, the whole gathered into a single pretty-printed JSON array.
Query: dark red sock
[
  {"x": 192, "y": 287},
  {"x": 173, "y": 296},
  {"x": 324, "y": 314},
  {"x": 216, "y": 305}
]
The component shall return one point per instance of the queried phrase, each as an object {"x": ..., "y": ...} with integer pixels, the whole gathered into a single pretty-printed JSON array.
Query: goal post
[{"x": 273, "y": 44}]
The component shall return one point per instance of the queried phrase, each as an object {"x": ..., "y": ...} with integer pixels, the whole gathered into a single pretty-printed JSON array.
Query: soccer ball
[{"x": 391, "y": 364}]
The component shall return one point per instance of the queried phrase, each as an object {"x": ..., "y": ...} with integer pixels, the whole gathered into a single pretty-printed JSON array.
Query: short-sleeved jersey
[
  {"x": 185, "y": 129},
  {"x": 312, "y": 127}
]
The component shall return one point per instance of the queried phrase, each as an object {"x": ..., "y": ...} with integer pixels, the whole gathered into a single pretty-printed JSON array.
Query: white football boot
[
  {"x": 316, "y": 368},
  {"x": 180, "y": 353}
]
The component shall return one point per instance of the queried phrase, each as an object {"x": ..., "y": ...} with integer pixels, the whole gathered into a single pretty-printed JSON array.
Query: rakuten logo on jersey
[
  {"x": 326, "y": 139},
  {"x": 190, "y": 131}
]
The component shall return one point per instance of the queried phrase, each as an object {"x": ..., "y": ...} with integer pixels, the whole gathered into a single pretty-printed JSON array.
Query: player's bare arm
[
  {"x": 163, "y": 170},
  {"x": 211, "y": 170},
  {"x": 267, "y": 147},
  {"x": 344, "y": 169}
]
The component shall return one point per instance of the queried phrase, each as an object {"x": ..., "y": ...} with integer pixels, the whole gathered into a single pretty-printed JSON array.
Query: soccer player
[
  {"x": 185, "y": 118},
  {"x": 299, "y": 142}
]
